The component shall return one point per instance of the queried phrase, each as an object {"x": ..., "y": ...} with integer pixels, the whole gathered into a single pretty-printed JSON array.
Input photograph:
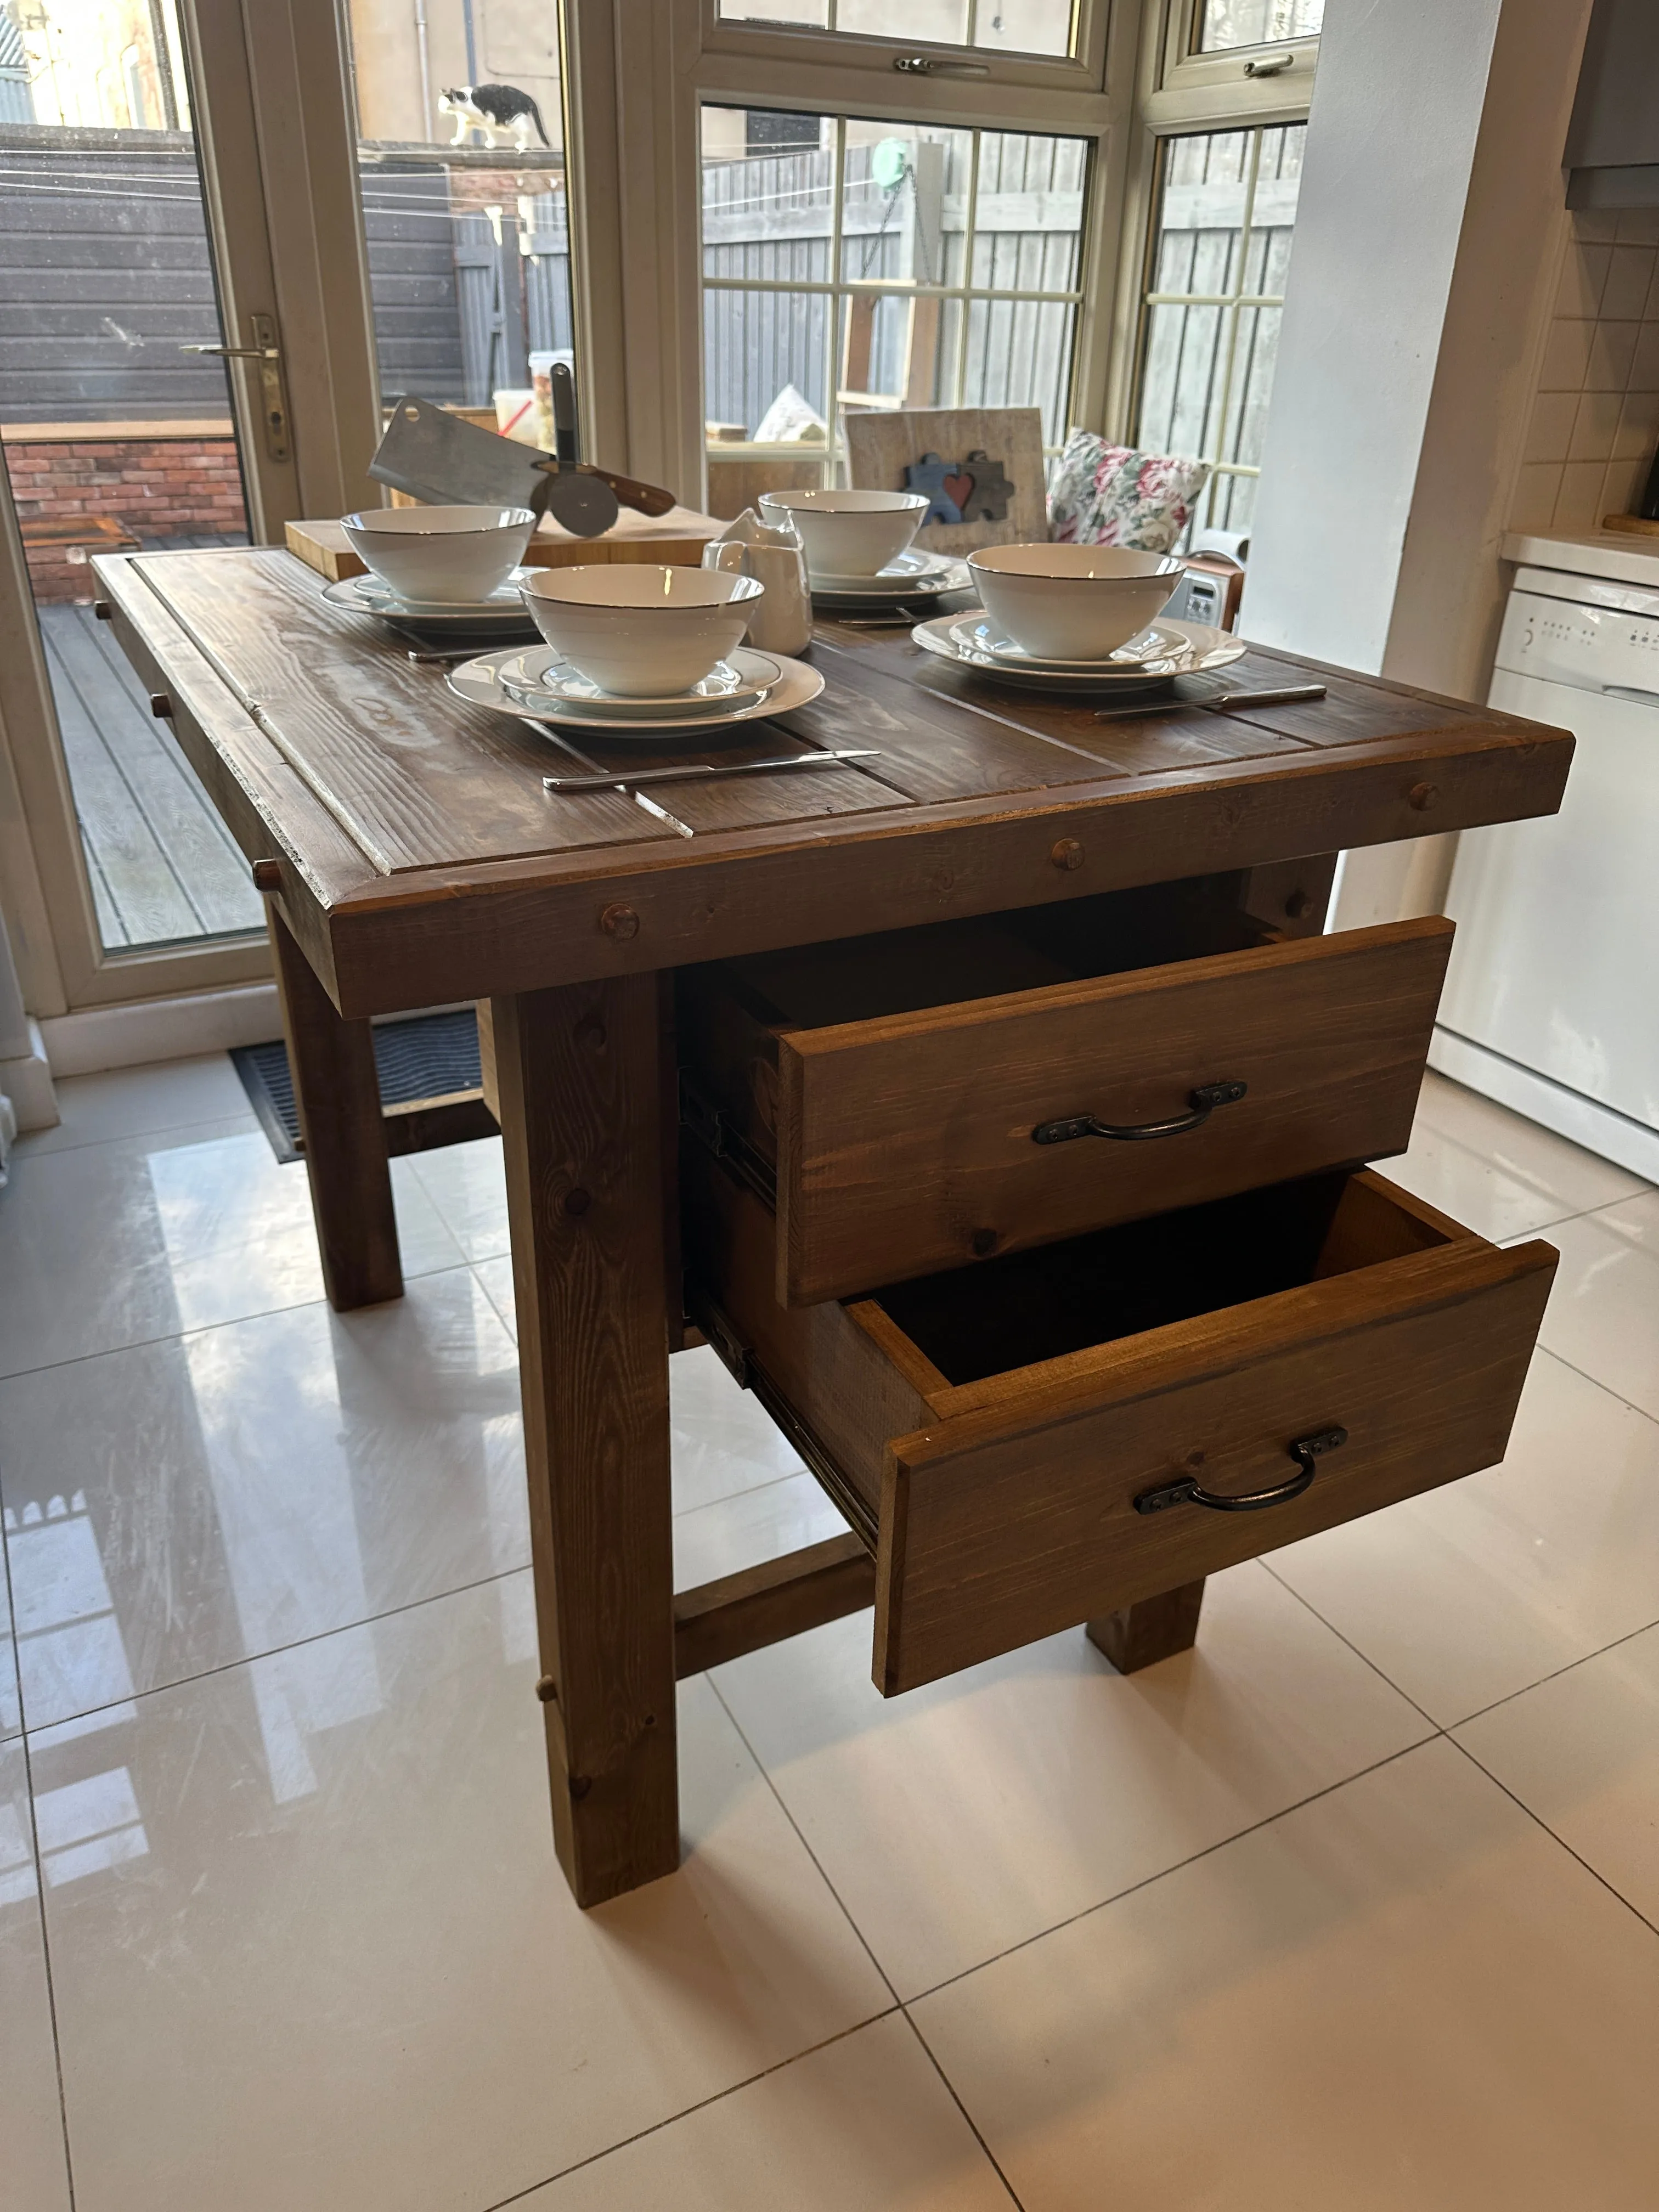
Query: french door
[{"x": 226, "y": 233}]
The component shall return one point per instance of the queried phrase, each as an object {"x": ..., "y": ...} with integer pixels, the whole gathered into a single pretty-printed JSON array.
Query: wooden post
[
  {"x": 579, "y": 1084},
  {"x": 1142, "y": 1634},
  {"x": 338, "y": 1094}
]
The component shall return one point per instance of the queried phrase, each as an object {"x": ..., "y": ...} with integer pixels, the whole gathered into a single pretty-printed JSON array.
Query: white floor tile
[
  {"x": 1497, "y": 1173},
  {"x": 866, "y": 2125},
  {"x": 33, "y": 2171},
  {"x": 1469, "y": 1593},
  {"x": 311, "y": 1946},
  {"x": 724, "y": 1441},
  {"x": 756, "y": 1525},
  {"x": 182, "y": 1506},
  {"x": 132, "y": 1102},
  {"x": 970, "y": 1815},
  {"x": 467, "y": 1183},
  {"x": 1582, "y": 1752},
  {"x": 120, "y": 1243},
  {"x": 1404, "y": 1995},
  {"x": 1603, "y": 1314}
]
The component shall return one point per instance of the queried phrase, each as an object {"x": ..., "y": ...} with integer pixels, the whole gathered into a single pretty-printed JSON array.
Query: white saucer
[
  {"x": 504, "y": 610},
  {"x": 478, "y": 682},
  {"x": 976, "y": 633},
  {"x": 1207, "y": 648},
  {"x": 541, "y": 681},
  {"x": 912, "y": 571}
]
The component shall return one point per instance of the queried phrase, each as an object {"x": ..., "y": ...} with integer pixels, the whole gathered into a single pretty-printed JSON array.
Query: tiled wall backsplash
[{"x": 1595, "y": 414}]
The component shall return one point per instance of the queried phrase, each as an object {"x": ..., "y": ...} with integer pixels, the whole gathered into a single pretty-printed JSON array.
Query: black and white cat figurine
[{"x": 490, "y": 108}]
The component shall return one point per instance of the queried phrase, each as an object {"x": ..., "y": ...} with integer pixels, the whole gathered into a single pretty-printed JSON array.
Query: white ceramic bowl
[
  {"x": 1073, "y": 602},
  {"x": 455, "y": 555},
  {"x": 641, "y": 632},
  {"x": 848, "y": 533}
]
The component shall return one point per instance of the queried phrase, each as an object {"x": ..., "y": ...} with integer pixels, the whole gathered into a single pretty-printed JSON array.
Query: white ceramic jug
[{"x": 782, "y": 620}]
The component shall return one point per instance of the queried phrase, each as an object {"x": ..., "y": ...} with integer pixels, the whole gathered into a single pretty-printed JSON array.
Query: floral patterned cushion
[{"x": 1107, "y": 494}]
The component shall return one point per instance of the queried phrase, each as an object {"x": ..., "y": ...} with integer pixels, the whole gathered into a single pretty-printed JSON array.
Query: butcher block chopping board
[{"x": 676, "y": 538}]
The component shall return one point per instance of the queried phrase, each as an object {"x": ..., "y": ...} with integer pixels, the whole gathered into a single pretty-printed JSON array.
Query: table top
[{"x": 422, "y": 861}]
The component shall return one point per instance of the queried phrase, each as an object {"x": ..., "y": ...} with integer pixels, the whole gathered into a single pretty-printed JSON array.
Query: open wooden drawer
[
  {"x": 923, "y": 1100},
  {"x": 1031, "y": 1445}
]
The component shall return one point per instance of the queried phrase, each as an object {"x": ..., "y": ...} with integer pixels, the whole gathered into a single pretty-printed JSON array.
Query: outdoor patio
[{"x": 162, "y": 866}]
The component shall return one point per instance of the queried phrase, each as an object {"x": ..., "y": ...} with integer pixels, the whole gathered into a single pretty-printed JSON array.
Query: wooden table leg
[
  {"x": 578, "y": 1071},
  {"x": 338, "y": 1096},
  {"x": 1142, "y": 1634}
]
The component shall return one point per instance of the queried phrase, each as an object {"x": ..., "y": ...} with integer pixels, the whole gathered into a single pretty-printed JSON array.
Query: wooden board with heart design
[{"x": 1006, "y": 470}]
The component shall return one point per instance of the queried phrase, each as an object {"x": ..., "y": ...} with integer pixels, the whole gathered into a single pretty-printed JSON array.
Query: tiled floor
[{"x": 1354, "y": 1907}]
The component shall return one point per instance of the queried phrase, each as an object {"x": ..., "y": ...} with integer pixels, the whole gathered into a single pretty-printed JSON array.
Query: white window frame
[
  {"x": 635, "y": 154},
  {"x": 1180, "y": 92}
]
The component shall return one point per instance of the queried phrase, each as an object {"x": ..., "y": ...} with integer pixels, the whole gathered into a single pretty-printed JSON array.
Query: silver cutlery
[
  {"x": 695, "y": 771},
  {"x": 1224, "y": 702}
]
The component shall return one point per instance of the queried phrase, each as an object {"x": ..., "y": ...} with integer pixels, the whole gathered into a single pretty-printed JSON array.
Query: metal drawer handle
[
  {"x": 1306, "y": 1451},
  {"x": 1203, "y": 1103}
]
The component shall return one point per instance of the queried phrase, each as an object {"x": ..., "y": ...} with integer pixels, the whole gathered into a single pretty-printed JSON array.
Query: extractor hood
[{"x": 1613, "y": 141}]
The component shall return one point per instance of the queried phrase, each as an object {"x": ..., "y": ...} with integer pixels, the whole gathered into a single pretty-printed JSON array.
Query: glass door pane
[
  {"x": 461, "y": 166},
  {"x": 114, "y": 437}
]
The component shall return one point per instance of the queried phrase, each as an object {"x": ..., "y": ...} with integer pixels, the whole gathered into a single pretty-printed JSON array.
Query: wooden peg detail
[
  {"x": 161, "y": 705},
  {"x": 1067, "y": 854},
  {"x": 1423, "y": 796},
  {"x": 267, "y": 875},
  {"x": 619, "y": 922}
]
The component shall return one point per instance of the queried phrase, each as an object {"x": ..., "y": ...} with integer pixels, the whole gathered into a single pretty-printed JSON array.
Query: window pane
[
  {"x": 1028, "y": 212},
  {"x": 904, "y": 203},
  {"x": 464, "y": 203},
  {"x": 794, "y": 331},
  {"x": 114, "y": 437},
  {"x": 1014, "y": 27},
  {"x": 1224, "y": 23}
]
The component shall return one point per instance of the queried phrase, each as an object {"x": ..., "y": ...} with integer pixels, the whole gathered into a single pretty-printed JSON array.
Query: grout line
[
  {"x": 22, "y": 1741},
  {"x": 1291, "y": 1590},
  {"x": 956, "y": 2098},
  {"x": 231, "y": 1321},
  {"x": 275, "y": 1651},
  {"x": 1585, "y": 1374},
  {"x": 763, "y": 1772},
  {"x": 28, "y": 1152},
  {"x": 1554, "y": 1674},
  {"x": 702, "y": 2105},
  {"x": 1539, "y": 1821},
  {"x": 1221, "y": 1843}
]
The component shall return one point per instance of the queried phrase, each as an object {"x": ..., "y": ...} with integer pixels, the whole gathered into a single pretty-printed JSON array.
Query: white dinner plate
[
  {"x": 916, "y": 590},
  {"x": 540, "y": 680},
  {"x": 478, "y": 682},
  {"x": 911, "y": 571},
  {"x": 1157, "y": 641},
  {"x": 1205, "y": 648}
]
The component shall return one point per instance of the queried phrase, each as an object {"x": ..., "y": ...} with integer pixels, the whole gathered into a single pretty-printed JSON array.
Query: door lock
[{"x": 273, "y": 400}]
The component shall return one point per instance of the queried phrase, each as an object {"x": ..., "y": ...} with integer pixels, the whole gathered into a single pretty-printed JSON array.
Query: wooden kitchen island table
[{"x": 787, "y": 1037}]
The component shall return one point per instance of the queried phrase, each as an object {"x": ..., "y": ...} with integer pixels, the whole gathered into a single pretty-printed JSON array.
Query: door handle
[
  {"x": 1306, "y": 1451},
  {"x": 273, "y": 399}
]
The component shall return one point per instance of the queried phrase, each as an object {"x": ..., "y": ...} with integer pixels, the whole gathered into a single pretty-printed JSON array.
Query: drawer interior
[
  {"x": 862, "y": 979},
  {"x": 1028, "y": 1307}
]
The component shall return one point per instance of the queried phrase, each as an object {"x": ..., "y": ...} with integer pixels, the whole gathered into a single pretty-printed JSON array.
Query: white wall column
[
  {"x": 25, "y": 1077},
  {"x": 1427, "y": 234}
]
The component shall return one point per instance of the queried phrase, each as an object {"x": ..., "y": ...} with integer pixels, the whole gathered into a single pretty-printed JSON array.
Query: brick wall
[{"x": 154, "y": 487}]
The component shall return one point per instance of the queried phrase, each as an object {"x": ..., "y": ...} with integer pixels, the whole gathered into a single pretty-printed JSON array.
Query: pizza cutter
[{"x": 438, "y": 457}]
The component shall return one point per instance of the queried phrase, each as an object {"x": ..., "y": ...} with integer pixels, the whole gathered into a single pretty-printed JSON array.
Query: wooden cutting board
[{"x": 676, "y": 538}]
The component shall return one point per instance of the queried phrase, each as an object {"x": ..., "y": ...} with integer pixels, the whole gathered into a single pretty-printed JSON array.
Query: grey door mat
[{"x": 426, "y": 1057}]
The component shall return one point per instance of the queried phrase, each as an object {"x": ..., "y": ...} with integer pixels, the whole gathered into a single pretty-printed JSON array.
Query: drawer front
[
  {"x": 1006, "y": 1521},
  {"x": 905, "y": 1145}
]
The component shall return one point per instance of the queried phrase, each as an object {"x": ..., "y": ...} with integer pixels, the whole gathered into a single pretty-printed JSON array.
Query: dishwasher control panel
[{"x": 1594, "y": 649}]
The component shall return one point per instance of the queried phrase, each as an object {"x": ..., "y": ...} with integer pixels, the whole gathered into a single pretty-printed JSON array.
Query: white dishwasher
[{"x": 1551, "y": 1000}]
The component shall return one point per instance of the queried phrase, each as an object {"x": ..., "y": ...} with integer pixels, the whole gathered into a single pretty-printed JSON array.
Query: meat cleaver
[{"x": 438, "y": 457}]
